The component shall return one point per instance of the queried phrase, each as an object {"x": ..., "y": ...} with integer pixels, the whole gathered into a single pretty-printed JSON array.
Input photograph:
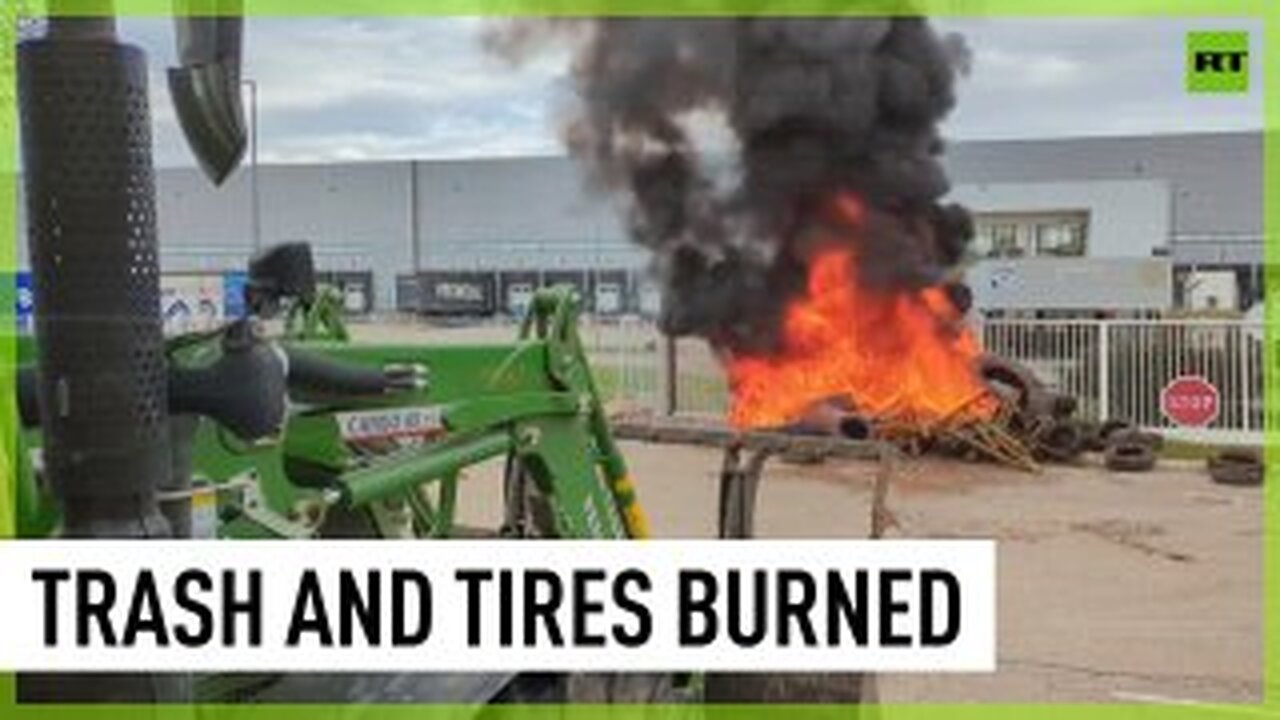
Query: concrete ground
[{"x": 1112, "y": 587}]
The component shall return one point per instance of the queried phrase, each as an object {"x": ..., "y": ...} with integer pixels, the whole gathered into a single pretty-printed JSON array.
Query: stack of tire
[
  {"x": 1046, "y": 421},
  {"x": 1042, "y": 418}
]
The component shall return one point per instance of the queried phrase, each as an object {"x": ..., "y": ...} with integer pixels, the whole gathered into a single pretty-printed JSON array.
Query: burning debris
[
  {"x": 811, "y": 113},
  {"x": 803, "y": 236},
  {"x": 902, "y": 357}
]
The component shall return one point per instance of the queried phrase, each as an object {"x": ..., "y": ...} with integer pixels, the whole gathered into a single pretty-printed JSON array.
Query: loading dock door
[
  {"x": 608, "y": 298},
  {"x": 519, "y": 295}
]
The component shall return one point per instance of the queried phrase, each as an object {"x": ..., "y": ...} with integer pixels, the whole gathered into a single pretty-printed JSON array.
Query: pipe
[
  {"x": 368, "y": 485},
  {"x": 102, "y": 388},
  {"x": 669, "y": 377},
  {"x": 81, "y": 20}
]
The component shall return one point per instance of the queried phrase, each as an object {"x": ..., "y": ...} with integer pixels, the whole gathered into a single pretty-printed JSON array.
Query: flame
[{"x": 903, "y": 357}]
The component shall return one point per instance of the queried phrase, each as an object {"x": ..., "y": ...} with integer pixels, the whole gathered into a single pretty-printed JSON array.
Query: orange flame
[{"x": 901, "y": 357}]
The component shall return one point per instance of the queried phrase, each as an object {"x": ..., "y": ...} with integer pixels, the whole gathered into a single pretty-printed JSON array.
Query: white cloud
[
  {"x": 1014, "y": 69},
  {"x": 319, "y": 65},
  {"x": 355, "y": 88}
]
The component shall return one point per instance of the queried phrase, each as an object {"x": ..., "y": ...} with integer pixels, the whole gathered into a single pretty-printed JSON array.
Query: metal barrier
[{"x": 1116, "y": 369}]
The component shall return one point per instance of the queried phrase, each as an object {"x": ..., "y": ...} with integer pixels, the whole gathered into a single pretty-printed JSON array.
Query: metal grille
[
  {"x": 1117, "y": 368},
  {"x": 1114, "y": 369},
  {"x": 90, "y": 193}
]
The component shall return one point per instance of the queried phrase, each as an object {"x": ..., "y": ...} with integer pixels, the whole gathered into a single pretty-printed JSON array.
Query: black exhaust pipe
[{"x": 90, "y": 192}]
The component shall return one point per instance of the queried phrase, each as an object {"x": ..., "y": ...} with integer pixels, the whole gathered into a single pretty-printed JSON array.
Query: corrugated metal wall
[
  {"x": 516, "y": 214},
  {"x": 534, "y": 214}
]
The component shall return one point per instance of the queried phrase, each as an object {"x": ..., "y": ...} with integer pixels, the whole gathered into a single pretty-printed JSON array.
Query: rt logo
[{"x": 1217, "y": 62}]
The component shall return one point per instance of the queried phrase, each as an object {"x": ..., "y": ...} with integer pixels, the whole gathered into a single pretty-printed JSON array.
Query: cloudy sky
[{"x": 351, "y": 89}]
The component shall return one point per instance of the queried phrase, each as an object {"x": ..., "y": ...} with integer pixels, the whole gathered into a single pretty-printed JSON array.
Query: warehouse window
[
  {"x": 1061, "y": 238},
  {"x": 999, "y": 240}
]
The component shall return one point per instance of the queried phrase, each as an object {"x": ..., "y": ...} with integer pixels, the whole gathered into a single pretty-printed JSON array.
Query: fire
[{"x": 901, "y": 357}]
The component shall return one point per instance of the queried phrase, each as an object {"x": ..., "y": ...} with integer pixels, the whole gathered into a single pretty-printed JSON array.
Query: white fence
[
  {"x": 1114, "y": 368},
  {"x": 1117, "y": 368}
]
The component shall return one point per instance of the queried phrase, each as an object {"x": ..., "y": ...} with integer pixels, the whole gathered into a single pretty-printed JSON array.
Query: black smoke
[{"x": 805, "y": 108}]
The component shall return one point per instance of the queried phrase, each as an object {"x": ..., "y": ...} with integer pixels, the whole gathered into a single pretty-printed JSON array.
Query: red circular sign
[{"x": 1190, "y": 401}]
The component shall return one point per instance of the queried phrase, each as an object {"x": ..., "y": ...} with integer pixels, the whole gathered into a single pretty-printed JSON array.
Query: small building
[{"x": 1114, "y": 225}]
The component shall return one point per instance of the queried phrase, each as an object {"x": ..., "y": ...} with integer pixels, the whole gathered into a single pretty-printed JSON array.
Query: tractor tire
[
  {"x": 1240, "y": 468},
  {"x": 789, "y": 688},
  {"x": 344, "y": 523},
  {"x": 534, "y": 519},
  {"x": 620, "y": 688},
  {"x": 1130, "y": 457},
  {"x": 537, "y": 688}
]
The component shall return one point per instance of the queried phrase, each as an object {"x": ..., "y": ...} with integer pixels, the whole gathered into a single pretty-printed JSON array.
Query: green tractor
[
  {"x": 321, "y": 427},
  {"x": 241, "y": 434},
  {"x": 330, "y": 439}
]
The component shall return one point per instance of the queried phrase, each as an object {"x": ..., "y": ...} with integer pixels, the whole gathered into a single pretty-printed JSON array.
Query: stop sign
[{"x": 1190, "y": 400}]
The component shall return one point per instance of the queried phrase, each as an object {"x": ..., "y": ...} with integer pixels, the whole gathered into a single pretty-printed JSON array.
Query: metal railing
[{"x": 1116, "y": 369}]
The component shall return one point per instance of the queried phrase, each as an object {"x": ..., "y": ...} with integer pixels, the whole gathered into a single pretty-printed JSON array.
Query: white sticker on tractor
[
  {"x": 204, "y": 512},
  {"x": 391, "y": 424}
]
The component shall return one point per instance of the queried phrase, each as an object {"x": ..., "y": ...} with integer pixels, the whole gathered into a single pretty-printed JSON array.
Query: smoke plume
[{"x": 799, "y": 110}]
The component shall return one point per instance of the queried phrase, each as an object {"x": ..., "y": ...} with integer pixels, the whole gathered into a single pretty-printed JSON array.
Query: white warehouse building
[{"x": 1099, "y": 225}]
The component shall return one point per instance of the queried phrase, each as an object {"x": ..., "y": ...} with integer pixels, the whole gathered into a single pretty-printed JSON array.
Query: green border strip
[
  {"x": 1269, "y": 10},
  {"x": 1271, "y": 357},
  {"x": 8, "y": 265},
  {"x": 936, "y": 8}
]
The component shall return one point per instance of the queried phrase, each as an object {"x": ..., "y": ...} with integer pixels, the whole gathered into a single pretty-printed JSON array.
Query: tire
[
  {"x": 620, "y": 688},
  {"x": 1091, "y": 437},
  {"x": 1240, "y": 468},
  {"x": 960, "y": 295},
  {"x": 1133, "y": 436},
  {"x": 1033, "y": 399},
  {"x": 1241, "y": 455},
  {"x": 1060, "y": 442},
  {"x": 534, "y": 518},
  {"x": 1130, "y": 457},
  {"x": 537, "y": 688},
  {"x": 1111, "y": 427},
  {"x": 1064, "y": 406},
  {"x": 789, "y": 688}
]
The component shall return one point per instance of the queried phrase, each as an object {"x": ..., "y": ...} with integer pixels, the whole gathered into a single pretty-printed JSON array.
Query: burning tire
[
  {"x": 960, "y": 295},
  {"x": 1130, "y": 457},
  {"x": 1243, "y": 468},
  {"x": 1007, "y": 377}
]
